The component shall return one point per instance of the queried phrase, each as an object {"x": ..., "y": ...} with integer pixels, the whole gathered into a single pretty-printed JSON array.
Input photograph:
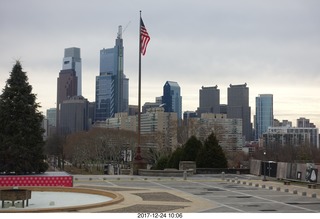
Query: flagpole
[
  {"x": 139, "y": 162},
  {"x": 138, "y": 155}
]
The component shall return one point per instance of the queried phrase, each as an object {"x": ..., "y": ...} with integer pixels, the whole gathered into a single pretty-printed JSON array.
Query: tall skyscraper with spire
[
  {"x": 72, "y": 60},
  {"x": 112, "y": 86}
]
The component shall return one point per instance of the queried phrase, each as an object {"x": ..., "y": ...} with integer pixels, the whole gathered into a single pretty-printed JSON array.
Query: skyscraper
[
  {"x": 172, "y": 99},
  {"x": 238, "y": 107},
  {"x": 52, "y": 121},
  {"x": 51, "y": 116},
  {"x": 264, "y": 114},
  {"x": 74, "y": 114},
  {"x": 209, "y": 100},
  {"x": 66, "y": 88},
  {"x": 112, "y": 86},
  {"x": 72, "y": 60}
]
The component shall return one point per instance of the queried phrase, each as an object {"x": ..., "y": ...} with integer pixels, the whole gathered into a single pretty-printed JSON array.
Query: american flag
[{"x": 144, "y": 40}]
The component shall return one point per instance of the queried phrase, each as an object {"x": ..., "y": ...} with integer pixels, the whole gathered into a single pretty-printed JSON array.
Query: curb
[{"x": 264, "y": 186}]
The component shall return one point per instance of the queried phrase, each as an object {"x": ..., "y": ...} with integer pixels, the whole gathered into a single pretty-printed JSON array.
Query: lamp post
[{"x": 264, "y": 166}]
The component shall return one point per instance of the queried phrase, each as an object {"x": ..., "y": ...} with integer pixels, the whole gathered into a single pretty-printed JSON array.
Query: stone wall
[{"x": 286, "y": 170}]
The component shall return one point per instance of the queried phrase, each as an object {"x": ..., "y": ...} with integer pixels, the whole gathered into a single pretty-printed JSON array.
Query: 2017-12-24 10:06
[{"x": 159, "y": 215}]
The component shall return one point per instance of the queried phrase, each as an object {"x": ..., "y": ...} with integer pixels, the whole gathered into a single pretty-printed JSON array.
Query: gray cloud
[{"x": 272, "y": 45}]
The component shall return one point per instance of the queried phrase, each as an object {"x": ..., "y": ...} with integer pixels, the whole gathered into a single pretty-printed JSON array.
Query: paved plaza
[{"x": 202, "y": 194}]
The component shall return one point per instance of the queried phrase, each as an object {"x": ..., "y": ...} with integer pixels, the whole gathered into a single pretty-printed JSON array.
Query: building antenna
[{"x": 126, "y": 27}]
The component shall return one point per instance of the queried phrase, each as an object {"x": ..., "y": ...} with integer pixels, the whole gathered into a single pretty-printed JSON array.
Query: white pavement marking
[
  {"x": 258, "y": 197},
  {"x": 110, "y": 183},
  {"x": 217, "y": 203}
]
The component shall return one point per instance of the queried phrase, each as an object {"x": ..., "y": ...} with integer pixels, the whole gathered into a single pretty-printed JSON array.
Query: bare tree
[{"x": 98, "y": 146}]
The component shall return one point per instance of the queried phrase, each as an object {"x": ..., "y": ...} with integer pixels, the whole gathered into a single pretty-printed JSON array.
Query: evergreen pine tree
[
  {"x": 211, "y": 154},
  {"x": 21, "y": 141},
  {"x": 175, "y": 158},
  {"x": 191, "y": 149}
]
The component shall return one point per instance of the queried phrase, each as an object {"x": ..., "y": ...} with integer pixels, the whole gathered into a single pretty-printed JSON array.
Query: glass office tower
[
  {"x": 264, "y": 114},
  {"x": 112, "y": 86},
  {"x": 72, "y": 60},
  {"x": 172, "y": 99}
]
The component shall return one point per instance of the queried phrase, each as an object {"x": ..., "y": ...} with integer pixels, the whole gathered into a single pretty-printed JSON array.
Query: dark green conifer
[
  {"x": 21, "y": 140},
  {"x": 191, "y": 149},
  {"x": 211, "y": 154}
]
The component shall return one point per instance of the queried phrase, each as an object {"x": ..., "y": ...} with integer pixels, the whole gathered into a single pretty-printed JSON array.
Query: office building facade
[
  {"x": 264, "y": 114},
  {"x": 72, "y": 60},
  {"x": 74, "y": 115},
  {"x": 171, "y": 99},
  {"x": 238, "y": 108},
  {"x": 112, "y": 86},
  {"x": 52, "y": 116},
  {"x": 209, "y": 100},
  {"x": 66, "y": 88}
]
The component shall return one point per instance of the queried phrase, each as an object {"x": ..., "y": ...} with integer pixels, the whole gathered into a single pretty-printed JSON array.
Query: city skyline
[{"x": 272, "y": 46}]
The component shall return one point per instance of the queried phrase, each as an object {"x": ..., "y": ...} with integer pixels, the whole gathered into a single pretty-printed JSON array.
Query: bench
[
  {"x": 15, "y": 195},
  {"x": 286, "y": 182},
  {"x": 312, "y": 186}
]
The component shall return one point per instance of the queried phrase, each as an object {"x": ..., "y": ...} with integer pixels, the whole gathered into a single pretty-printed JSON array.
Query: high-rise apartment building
[
  {"x": 188, "y": 115},
  {"x": 159, "y": 125},
  {"x": 171, "y": 99},
  {"x": 112, "y": 86},
  {"x": 148, "y": 105},
  {"x": 72, "y": 60},
  {"x": 264, "y": 114},
  {"x": 238, "y": 107},
  {"x": 304, "y": 123},
  {"x": 290, "y": 136},
  {"x": 162, "y": 126},
  {"x": 228, "y": 131},
  {"x": 209, "y": 100}
]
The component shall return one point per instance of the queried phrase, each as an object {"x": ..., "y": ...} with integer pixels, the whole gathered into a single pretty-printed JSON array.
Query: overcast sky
[{"x": 273, "y": 46}]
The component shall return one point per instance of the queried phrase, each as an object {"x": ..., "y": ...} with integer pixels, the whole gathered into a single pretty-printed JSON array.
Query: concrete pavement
[{"x": 202, "y": 193}]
